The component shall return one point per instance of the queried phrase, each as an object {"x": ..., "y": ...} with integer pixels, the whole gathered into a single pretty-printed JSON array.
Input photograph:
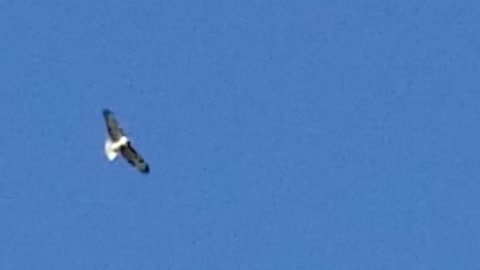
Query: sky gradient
[{"x": 286, "y": 135}]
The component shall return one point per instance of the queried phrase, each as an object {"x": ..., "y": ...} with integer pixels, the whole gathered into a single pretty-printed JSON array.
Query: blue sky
[{"x": 280, "y": 134}]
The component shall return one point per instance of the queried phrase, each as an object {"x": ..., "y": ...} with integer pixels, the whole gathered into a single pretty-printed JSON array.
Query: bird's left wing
[
  {"x": 114, "y": 129},
  {"x": 129, "y": 153}
]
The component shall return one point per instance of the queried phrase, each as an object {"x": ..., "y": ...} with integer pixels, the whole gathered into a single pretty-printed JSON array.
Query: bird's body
[
  {"x": 112, "y": 149},
  {"x": 118, "y": 143}
]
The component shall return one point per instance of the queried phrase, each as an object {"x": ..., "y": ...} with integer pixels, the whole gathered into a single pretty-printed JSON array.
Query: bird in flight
[{"x": 118, "y": 143}]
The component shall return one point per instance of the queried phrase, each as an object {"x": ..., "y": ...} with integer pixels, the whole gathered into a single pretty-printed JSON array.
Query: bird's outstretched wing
[
  {"x": 134, "y": 158},
  {"x": 113, "y": 127}
]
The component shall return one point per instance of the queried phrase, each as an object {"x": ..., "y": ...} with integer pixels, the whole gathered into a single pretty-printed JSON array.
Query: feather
[
  {"x": 129, "y": 153},
  {"x": 114, "y": 130}
]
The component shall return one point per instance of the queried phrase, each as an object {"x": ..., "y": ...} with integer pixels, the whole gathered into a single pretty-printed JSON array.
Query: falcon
[{"x": 118, "y": 143}]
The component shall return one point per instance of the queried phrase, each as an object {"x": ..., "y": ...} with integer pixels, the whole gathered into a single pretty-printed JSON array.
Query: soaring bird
[{"x": 117, "y": 142}]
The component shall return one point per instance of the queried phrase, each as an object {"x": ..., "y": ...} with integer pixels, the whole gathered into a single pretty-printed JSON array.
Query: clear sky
[{"x": 289, "y": 135}]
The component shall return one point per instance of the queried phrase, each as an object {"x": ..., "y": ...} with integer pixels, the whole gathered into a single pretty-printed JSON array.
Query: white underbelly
[{"x": 110, "y": 152}]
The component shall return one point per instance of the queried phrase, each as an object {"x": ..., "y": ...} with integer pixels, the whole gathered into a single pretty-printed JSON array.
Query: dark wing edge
[
  {"x": 129, "y": 153},
  {"x": 113, "y": 127}
]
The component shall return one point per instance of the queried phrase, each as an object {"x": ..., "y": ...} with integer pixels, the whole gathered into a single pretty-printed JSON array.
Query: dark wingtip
[
  {"x": 146, "y": 170},
  {"x": 106, "y": 112}
]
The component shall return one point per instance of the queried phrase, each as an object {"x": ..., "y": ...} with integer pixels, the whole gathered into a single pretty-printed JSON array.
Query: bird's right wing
[{"x": 129, "y": 153}]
